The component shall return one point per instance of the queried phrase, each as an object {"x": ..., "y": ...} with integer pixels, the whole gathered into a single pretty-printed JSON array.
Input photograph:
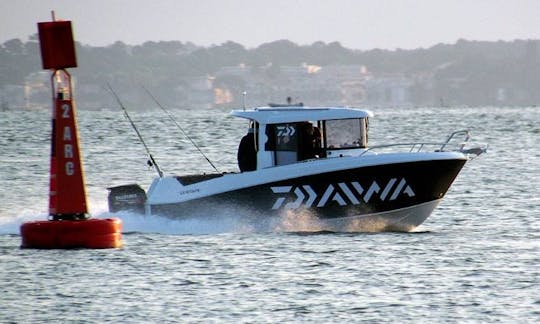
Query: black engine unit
[{"x": 127, "y": 197}]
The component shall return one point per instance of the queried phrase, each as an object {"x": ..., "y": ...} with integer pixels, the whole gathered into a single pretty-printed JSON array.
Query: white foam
[
  {"x": 133, "y": 222},
  {"x": 12, "y": 225}
]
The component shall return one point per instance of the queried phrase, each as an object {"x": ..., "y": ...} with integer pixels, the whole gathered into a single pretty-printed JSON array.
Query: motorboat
[{"x": 314, "y": 162}]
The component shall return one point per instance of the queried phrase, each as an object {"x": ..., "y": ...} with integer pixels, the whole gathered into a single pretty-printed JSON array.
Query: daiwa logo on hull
[{"x": 343, "y": 193}]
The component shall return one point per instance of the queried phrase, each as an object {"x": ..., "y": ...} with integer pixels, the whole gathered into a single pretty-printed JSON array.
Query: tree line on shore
[{"x": 464, "y": 73}]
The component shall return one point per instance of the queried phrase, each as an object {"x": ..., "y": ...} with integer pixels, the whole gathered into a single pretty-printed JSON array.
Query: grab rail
[
  {"x": 464, "y": 132},
  {"x": 414, "y": 146},
  {"x": 419, "y": 146}
]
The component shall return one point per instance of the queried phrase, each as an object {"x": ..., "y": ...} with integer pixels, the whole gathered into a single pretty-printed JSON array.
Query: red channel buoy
[{"x": 69, "y": 225}]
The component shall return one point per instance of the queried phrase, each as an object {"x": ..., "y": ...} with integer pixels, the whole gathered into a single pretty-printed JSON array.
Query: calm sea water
[{"x": 476, "y": 259}]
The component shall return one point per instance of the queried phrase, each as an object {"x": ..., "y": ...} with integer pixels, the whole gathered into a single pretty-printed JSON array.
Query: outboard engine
[{"x": 127, "y": 197}]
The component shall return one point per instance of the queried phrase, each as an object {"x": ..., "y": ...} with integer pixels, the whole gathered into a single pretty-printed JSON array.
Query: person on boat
[
  {"x": 247, "y": 154},
  {"x": 317, "y": 141},
  {"x": 310, "y": 142}
]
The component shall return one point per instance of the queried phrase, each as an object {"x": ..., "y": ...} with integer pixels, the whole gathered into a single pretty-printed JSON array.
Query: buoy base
[
  {"x": 72, "y": 234},
  {"x": 78, "y": 216}
]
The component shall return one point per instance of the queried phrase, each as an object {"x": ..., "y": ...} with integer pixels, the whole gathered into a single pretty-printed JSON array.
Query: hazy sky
[{"x": 359, "y": 24}]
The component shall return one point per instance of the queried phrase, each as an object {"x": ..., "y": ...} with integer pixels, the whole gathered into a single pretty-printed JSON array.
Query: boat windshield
[{"x": 346, "y": 133}]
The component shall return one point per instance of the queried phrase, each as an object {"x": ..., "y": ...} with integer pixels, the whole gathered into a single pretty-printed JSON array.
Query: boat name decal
[
  {"x": 190, "y": 191},
  {"x": 343, "y": 193}
]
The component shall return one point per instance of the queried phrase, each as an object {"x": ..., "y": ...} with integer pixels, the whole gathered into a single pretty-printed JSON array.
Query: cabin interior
[{"x": 286, "y": 143}]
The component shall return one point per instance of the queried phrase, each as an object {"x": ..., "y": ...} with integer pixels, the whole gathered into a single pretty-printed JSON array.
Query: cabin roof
[{"x": 275, "y": 115}]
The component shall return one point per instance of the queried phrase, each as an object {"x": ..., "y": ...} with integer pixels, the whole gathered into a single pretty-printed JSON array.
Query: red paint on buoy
[
  {"x": 69, "y": 225},
  {"x": 57, "y": 45},
  {"x": 67, "y": 234},
  {"x": 67, "y": 189}
]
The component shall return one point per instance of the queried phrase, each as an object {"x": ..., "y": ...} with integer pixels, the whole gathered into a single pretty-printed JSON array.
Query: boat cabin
[{"x": 284, "y": 135}]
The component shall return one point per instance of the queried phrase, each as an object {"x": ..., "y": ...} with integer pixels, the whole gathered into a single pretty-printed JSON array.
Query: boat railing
[
  {"x": 446, "y": 146},
  {"x": 457, "y": 133}
]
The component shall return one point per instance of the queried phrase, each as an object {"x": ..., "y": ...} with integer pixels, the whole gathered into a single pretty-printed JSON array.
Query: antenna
[{"x": 244, "y": 94}]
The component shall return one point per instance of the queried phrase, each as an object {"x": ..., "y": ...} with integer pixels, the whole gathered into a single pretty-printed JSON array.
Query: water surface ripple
[{"x": 476, "y": 259}]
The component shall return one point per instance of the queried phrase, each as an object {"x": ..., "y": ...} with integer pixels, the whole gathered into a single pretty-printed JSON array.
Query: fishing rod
[
  {"x": 151, "y": 162},
  {"x": 180, "y": 128}
]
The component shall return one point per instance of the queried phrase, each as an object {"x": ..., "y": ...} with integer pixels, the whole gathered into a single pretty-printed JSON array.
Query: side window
[{"x": 346, "y": 133}]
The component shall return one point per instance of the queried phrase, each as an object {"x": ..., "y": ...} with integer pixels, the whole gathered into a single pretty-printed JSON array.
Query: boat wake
[
  {"x": 138, "y": 223},
  {"x": 12, "y": 225},
  {"x": 228, "y": 221},
  {"x": 231, "y": 222}
]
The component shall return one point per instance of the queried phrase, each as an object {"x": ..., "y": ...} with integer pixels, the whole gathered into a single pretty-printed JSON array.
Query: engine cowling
[{"x": 127, "y": 197}]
